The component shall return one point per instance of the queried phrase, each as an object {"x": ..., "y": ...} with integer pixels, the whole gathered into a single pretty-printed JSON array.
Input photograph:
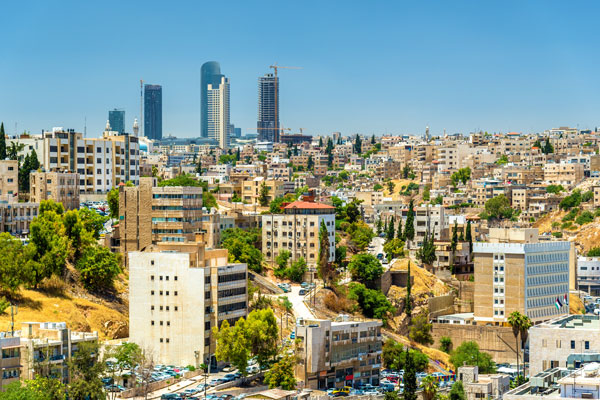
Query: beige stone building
[
  {"x": 178, "y": 293},
  {"x": 15, "y": 218},
  {"x": 563, "y": 174},
  {"x": 251, "y": 189},
  {"x": 524, "y": 277},
  {"x": 338, "y": 353},
  {"x": 9, "y": 181},
  {"x": 150, "y": 214},
  {"x": 370, "y": 197},
  {"x": 10, "y": 359},
  {"x": 62, "y": 187},
  {"x": 486, "y": 386},
  {"x": 297, "y": 230}
]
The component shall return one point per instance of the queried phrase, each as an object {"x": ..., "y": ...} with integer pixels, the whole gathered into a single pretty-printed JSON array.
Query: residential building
[
  {"x": 9, "y": 181},
  {"x": 153, "y": 112},
  {"x": 116, "y": 119},
  {"x": 566, "y": 342},
  {"x": 297, "y": 231},
  {"x": 210, "y": 74},
  {"x": 150, "y": 214},
  {"x": 334, "y": 354},
  {"x": 532, "y": 278},
  {"x": 15, "y": 218},
  {"x": 484, "y": 386},
  {"x": 268, "y": 108},
  {"x": 588, "y": 274},
  {"x": 62, "y": 187},
  {"x": 218, "y": 112},
  {"x": 563, "y": 173},
  {"x": 10, "y": 359},
  {"x": 177, "y": 293},
  {"x": 251, "y": 189}
]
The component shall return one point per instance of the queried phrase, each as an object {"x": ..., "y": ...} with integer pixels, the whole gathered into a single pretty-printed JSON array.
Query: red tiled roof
[{"x": 308, "y": 205}]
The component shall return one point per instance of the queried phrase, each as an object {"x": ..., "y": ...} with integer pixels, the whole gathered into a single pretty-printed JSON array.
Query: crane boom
[{"x": 275, "y": 67}]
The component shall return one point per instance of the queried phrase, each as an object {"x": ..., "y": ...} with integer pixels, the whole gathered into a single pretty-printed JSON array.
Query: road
[
  {"x": 377, "y": 244},
  {"x": 300, "y": 308}
]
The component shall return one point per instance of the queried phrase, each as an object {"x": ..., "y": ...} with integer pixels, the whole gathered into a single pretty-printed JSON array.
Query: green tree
[
  {"x": 372, "y": 302},
  {"x": 454, "y": 241},
  {"x": 469, "y": 237},
  {"x": 391, "y": 396},
  {"x": 390, "y": 187},
  {"x": 594, "y": 252},
  {"x": 281, "y": 374},
  {"x": 361, "y": 235},
  {"x": 2, "y": 142},
  {"x": 262, "y": 335},
  {"x": 409, "y": 227},
  {"x": 390, "y": 232},
  {"x": 420, "y": 329},
  {"x": 430, "y": 387},
  {"x": 357, "y": 145},
  {"x": 92, "y": 221},
  {"x": 502, "y": 160},
  {"x": 379, "y": 226},
  {"x": 548, "y": 148},
  {"x": 232, "y": 344},
  {"x": 457, "y": 392},
  {"x": 393, "y": 248},
  {"x": 410, "y": 378},
  {"x": 426, "y": 193},
  {"x": 243, "y": 247},
  {"x": 366, "y": 269},
  {"x": 12, "y": 274},
  {"x": 296, "y": 271},
  {"x": 325, "y": 268},
  {"x": 426, "y": 253},
  {"x": 98, "y": 267},
  {"x": 282, "y": 259},
  {"x": 377, "y": 187},
  {"x": 399, "y": 230},
  {"x": 353, "y": 213},
  {"x": 555, "y": 189},
  {"x": 263, "y": 198},
  {"x": 520, "y": 325},
  {"x": 86, "y": 369},
  {"x": 446, "y": 344},
  {"x": 112, "y": 198},
  {"x": 468, "y": 354},
  {"x": 408, "y": 300},
  {"x": 498, "y": 208},
  {"x": 310, "y": 164}
]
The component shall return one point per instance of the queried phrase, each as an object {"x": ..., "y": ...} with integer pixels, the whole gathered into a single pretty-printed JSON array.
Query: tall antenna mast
[
  {"x": 85, "y": 126},
  {"x": 142, "y": 106}
]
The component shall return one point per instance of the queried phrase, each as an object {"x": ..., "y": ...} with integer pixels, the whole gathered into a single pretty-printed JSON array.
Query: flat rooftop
[{"x": 579, "y": 322}]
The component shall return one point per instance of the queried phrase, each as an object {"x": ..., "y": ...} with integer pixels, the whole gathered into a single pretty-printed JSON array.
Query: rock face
[{"x": 115, "y": 329}]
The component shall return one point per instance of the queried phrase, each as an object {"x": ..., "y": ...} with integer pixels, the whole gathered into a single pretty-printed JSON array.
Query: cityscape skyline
[{"x": 458, "y": 67}]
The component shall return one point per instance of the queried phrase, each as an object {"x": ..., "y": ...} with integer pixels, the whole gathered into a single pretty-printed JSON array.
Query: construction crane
[{"x": 275, "y": 67}]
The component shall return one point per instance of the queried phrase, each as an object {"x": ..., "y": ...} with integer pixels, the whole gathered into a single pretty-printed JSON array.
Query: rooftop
[
  {"x": 575, "y": 321},
  {"x": 308, "y": 205}
]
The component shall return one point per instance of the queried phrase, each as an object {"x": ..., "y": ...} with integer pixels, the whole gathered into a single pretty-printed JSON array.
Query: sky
[{"x": 372, "y": 67}]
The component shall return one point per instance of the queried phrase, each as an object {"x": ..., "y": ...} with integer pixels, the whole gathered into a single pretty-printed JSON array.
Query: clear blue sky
[{"x": 368, "y": 66}]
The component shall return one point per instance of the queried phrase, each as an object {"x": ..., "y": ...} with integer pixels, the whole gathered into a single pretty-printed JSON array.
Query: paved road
[
  {"x": 300, "y": 308},
  {"x": 377, "y": 244}
]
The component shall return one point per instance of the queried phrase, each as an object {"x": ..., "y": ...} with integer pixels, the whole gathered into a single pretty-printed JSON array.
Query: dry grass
[
  {"x": 338, "y": 303},
  {"x": 575, "y": 304},
  {"x": 424, "y": 281}
]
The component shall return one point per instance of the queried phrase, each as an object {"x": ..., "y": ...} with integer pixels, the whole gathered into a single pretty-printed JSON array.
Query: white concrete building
[{"x": 218, "y": 112}]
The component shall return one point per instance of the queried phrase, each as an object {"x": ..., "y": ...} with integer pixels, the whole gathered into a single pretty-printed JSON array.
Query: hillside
[
  {"x": 585, "y": 236},
  {"x": 81, "y": 310}
]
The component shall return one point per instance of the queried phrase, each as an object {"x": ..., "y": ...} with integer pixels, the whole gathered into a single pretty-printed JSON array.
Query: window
[
  {"x": 161, "y": 308},
  {"x": 152, "y": 292},
  {"x": 151, "y": 308},
  {"x": 151, "y": 262},
  {"x": 161, "y": 339},
  {"x": 176, "y": 308},
  {"x": 572, "y": 344},
  {"x": 152, "y": 323},
  {"x": 587, "y": 345},
  {"x": 161, "y": 323},
  {"x": 160, "y": 278},
  {"x": 161, "y": 292},
  {"x": 175, "y": 277},
  {"x": 168, "y": 323},
  {"x": 167, "y": 293},
  {"x": 167, "y": 308},
  {"x": 167, "y": 340},
  {"x": 151, "y": 277},
  {"x": 175, "y": 293}
]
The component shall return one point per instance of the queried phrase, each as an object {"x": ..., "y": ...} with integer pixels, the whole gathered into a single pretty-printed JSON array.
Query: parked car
[
  {"x": 344, "y": 391},
  {"x": 302, "y": 292},
  {"x": 170, "y": 396}
]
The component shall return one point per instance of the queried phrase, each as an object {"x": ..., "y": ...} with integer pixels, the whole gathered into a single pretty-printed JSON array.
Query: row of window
[
  {"x": 548, "y": 268},
  {"x": 547, "y": 257},
  {"x": 161, "y": 323},
  {"x": 176, "y": 196},
  {"x": 232, "y": 307},
  {"x": 231, "y": 292},
  {"x": 547, "y": 279},
  {"x": 585, "y": 343},
  {"x": 166, "y": 292},
  {"x": 548, "y": 290},
  {"x": 240, "y": 276},
  {"x": 175, "y": 208},
  {"x": 160, "y": 277},
  {"x": 164, "y": 308}
]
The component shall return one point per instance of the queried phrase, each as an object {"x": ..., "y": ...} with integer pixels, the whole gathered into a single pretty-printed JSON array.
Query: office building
[
  {"x": 9, "y": 181},
  {"x": 177, "y": 293},
  {"x": 268, "y": 108},
  {"x": 532, "y": 278},
  {"x": 334, "y": 354},
  {"x": 150, "y": 214},
  {"x": 62, "y": 187},
  {"x": 588, "y": 274},
  {"x": 297, "y": 231},
  {"x": 218, "y": 112},
  {"x": 566, "y": 341},
  {"x": 116, "y": 119},
  {"x": 153, "y": 112},
  {"x": 210, "y": 74}
]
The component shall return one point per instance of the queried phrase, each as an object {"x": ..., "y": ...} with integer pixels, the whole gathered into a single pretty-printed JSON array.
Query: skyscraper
[
  {"x": 116, "y": 118},
  {"x": 210, "y": 75},
  {"x": 153, "y": 111},
  {"x": 268, "y": 108},
  {"x": 217, "y": 96}
]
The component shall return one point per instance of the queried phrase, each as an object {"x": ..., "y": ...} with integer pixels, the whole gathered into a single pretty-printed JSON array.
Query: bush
[
  {"x": 468, "y": 354},
  {"x": 587, "y": 196},
  {"x": 585, "y": 218},
  {"x": 365, "y": 268},
  {"x": 445, "y": 344},
  {"x": 594, "y": 252},
  {"x": 566, "y": 225},
  {"x": 420, "y": 330},
  {"x": 557, "y": 234},
  {"x": 570, "y": 216},
  {"x": 191, "y": 368},
  {"x": 372, "y": 302},
  {"x": 98, "y": 268},
  {"x": 571, "y": 201}
]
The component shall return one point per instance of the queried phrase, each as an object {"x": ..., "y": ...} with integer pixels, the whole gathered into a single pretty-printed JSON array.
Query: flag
[
  {"x": 566, "y": 298},
  {"x": 558, "y": 304}
]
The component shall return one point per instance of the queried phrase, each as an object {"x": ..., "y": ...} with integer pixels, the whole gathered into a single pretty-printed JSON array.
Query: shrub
[
  {"x": 570, "y": 216},
  {"x": 594, "y": 252},
  {"x": 585, "y": 218},
  {"x": 445, "y": 344},
  {"x": 4, "y": 304},
  {"x": 557, "y": 234},
  {"x": 566, "y": 225}
]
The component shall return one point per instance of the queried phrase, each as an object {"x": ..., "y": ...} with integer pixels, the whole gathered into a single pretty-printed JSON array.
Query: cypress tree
[
  {"x": 399, "y": 231},
  {"x": 357, "y": 144},
  {"x": 379, "y": 226},
  {"x": 410, "y": 378},
  {"x": 385, "y": 225},
  {"x": 408, "y": 300},
  {"x": 390, "y": 231},
  {"x": 2, "y": 142},
  {"x": 409, "y": 228},
  {"x": 469, "y": 237},
  {"x": 454, "y": 242},
  {"x": 373, "y": 139}
]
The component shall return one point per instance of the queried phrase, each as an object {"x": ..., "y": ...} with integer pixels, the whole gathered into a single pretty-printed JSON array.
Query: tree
[
  {"x": 430, "y": 387},
  {"x": 457, "y": 392},
  {"x": 469, "y": 237},
  {"x": 426, "y": 254},
  {"x": 353, "y": 213},
  {"x": 85, "y": 370},
  {"x": 502, "y": 160},
  {"x": 420, "y": 330},
  {"x": 39, "y": 388},
  {"x": 390, "y": 187},
  {"x": 555, "y": 189},
  {"x": 408, "y": 299},
  {"x": 391, "y": 396},
  {"x": 573, "y": 200},
  {"x": 520, "y": 325},
  {"x": 92, "y": 221},
  {"x": 399, "y": 230},
  {"x": 446, "y": 344},
  {"x": 296, "y": 271},
  {"x": 282, "y": 259},
  {"x": 468, "y": 354},
  {"x": 409, "y": 227},
  {"x": 281, "y": 374},
  {"x": 361, "y": 235},
  {"x": 454, "y": 241},
  {"x": 548, "y": 148},
  {"x": 326, "y": 270},
  {"x": 377, "y": 187},
  {"x": 390, "y": 232},
  {"x": 357, "y": 145},
  {"x": 594, "y": 252},
  {"x": 379, "y": 226},
  {"x": 393, "y": 248},
  {"x": 98, "y": 267},
  {"x": 366, "y": 269},
  {"x": 232, "y": 344},
  {"x": 12, "y": 275},
  {"x": 426, "y": 193},
  {"x": 394, "y": 356},
  {"x": 263, "y": 198},
  {"x": 372, "y": 302},
  {"x": 262, "y": 335},
  {"x": 243, "y": 247},
  {"x": 2, "y": 142},
  {"x": 112, "y": 198},
  {"x": 410, "y": 378},
  {"x": 498, "y": 208},
  {"x": 310, "y": 163}
]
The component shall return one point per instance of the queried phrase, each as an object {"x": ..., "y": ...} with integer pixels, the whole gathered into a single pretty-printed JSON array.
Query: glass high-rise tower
[
  {"x": 210, "y": 74},
  {"x": 268, "y": 108},
  {"x": 153, "y": 111},
  {"x": 116, "y": 119}
]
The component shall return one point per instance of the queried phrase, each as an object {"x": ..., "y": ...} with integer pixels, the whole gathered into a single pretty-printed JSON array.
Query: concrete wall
[
  {"x": 441, "y": 305},
  {"x": 92, "y": 197},
  {"x": 497, "y": 341}
]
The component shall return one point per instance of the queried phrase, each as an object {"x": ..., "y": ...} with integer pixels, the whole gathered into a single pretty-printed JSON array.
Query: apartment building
[
  {"x": 297, "y": 230},
  {"x": 530, "y": 277},
  {"x": 10, "y": 359},
  {"x": 149, "y": 214},
  {"x": 15, "y": 218},
  {"x": 62, "y": 187},
  {"x": 563, "y": 173},
  {"x": 485, "y": 386},
  {"x": 9, "y": 181},
  {"x": 566, "y": 342},
  {"x": 369, "y": 197},
  {"x": 588, "y": 274},
  {"x": 251, "y": 189},
  {"x": 430, "y": 219},
  {"x": 334, "y": 354},
  {"x": 178, "y": 293},
  {"x": 102, "y": 163}
]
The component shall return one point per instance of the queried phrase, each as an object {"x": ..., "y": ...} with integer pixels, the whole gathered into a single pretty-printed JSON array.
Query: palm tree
[
  {"x": 288, "y": 306},
  {"x": 430, "y": 387},
  {"x": 520, "y": 326}
]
